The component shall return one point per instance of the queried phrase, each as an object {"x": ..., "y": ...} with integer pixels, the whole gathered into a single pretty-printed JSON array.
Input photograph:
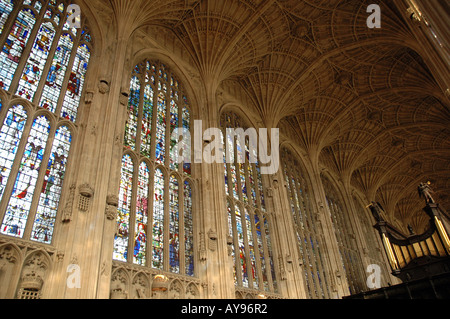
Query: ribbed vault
[{"x": 364, "y": 99}]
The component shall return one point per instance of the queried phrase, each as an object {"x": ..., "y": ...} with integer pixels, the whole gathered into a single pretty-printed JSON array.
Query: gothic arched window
[
  {"x": 44, "y": 62},
  {"x": 345, "y": 234},
  {"x": 155, "y": 216},
  {"x": 248, "y": 224},
  {"x": 306, "y": 228}
]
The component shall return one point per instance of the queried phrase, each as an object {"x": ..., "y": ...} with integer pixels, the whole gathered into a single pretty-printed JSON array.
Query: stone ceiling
[{"x": 361, "y": 101}]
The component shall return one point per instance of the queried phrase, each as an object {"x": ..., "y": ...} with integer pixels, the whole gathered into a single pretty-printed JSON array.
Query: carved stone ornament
[
  {"x": 89, "y": 97},
  {"x": 103, "y": 87},
  {"x": 202, "y": 248},
  {"x": 111, "y": 212},
  {"x": 68, "y": 209},
  {"x": 60, "y": 256},
  {"x": 123, "y": 99},
  {"x": 86, "y": 190},
  {"x": 212, "y": 243},
  {"x": 112, "y": 202},
  {"x": 230, "y": 245}
]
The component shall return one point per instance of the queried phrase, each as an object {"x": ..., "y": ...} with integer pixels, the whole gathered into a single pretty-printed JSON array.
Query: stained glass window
[
  {"x": 188, "y": 229},
  {"x": 37, "y": 59},
  {"x": 34, "y": 67},
  {"x": 174, "y": 225},
  {"x": 140, "y": 238},
  {"x": 52, "y": 188},
  {"x": 158, "y": 221},
  {"x": 10, "y": 136},
  {"x": 6, "y": 6},
  {"x": 124, "y": 209},
  {"x": 20, "y": 202},
  {"x": 343, "y": 227},
  {"x": 252, "y": 243},
  {"x": 305, "y": 228},
  {"x": 165, "y": 218}
]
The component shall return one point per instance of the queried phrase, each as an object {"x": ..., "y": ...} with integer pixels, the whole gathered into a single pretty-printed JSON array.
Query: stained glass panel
[
  {"x": 34, "y": 67},
  {"x": 146, "y": 131},
  {"x": 259, "y": 237},
  {"x": 188, "y": 230},
  {"x": 161, "y": 127},
  {"x": 55, "y": 77},
  {"x": 15, "y": 45},
  {"x": 231, "y": 233},
  {"x": 269, "y": 248},
  {"x": 140, "y": 237},
  {"x": 124, "y": 209},
  {"x": 133, "y": 112},
  {"x": 44, "y": 222},
  {"x": 174, "y": 123},
  {"x": 241, "y": 243},
  {"x": 19, "y": 205},
  {"x": 154, "y": 100},
  {"x": 158, "y": 221},
  {"x": 186, "y": 118},
  {"x": 10, "y": 136},
  {"x": 174, "y": 225},
  {"x": 251, "y": 248},
  {"x": 76, "y": 82},
  {"x": 6, "y": 6}
]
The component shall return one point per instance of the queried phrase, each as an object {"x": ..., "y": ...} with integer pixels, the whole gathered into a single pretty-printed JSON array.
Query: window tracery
[
  {"x": 248, "y": 223},
  {"x": 41, "y": 59},
  {"x": 306, "y": 228},
  {"x": 155, "y": 219},
  {"x": 345, "y": 234}
]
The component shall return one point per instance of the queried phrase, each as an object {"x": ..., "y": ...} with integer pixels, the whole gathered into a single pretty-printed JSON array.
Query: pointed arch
[{"x": 163, "y": 211}]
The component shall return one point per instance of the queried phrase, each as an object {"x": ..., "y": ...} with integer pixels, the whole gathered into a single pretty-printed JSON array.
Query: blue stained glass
[
  {"x": 124, "y": 209},
  {"x": 133, "y": 113},
  {"x": 57, "y": 72},
  {"x": 19, "y": 205},
  {"x": 158, "y": 221},
  {"x": 10, "y": 135},
  {"x": 76, "y": 82},
  {"x": 161, "y": 129},
  {"x": 6, "y": 6},
  {"x": 140, "y": 238},
  {"x": 52, "y": 188},
  {"x": 188, "y": 229},
  {"x": 15, "y": 45},
  {"x": 34, "y": 67},
  {"x": 174, "y": 225}
]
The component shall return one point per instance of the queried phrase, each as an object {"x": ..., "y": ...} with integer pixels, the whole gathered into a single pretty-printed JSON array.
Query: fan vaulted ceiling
[{"x": 361, "y": 102}]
